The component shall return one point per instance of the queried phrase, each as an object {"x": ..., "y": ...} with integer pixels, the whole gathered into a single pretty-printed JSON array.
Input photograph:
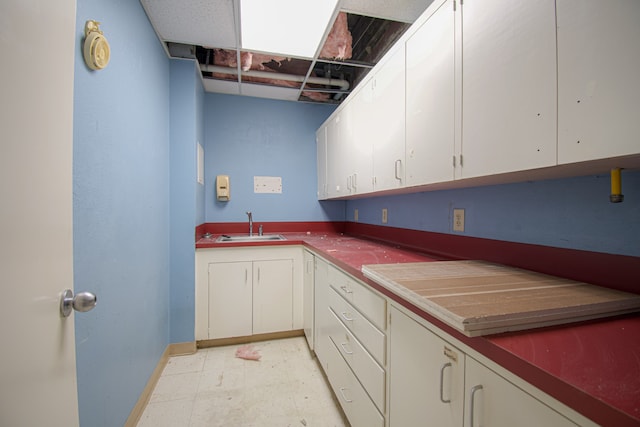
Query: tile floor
[{"x": 212, "y": 387}]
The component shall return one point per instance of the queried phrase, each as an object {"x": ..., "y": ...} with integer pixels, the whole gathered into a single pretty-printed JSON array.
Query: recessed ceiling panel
[{"x": 199, "y": 22}]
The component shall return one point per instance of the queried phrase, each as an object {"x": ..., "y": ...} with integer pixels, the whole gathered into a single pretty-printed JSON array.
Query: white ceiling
[{"x": 217, "y": 23}]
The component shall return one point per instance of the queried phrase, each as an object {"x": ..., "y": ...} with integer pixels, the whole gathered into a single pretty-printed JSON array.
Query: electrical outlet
[
  {"x": 384, "y": 215},
  {"x": 355, "y": 214},
  {"x": 458, "y": 220}
]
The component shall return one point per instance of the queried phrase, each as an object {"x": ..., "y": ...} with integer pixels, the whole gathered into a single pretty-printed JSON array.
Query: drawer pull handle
[
  {"x": 445, "y": 366},
  {"x": 346, "y": 290},
  {"x": 345, "y": 349},
  {"x": 345, "y": 317},
  {"x": 342, "y": 389},
  {"x": 474, "y": 389}
]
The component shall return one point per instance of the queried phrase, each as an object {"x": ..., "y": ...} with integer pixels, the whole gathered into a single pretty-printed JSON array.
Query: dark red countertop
[{"x": 592, "y": 367}]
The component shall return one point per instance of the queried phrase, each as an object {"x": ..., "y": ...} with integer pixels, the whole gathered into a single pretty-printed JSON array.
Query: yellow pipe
[{"x": 616, "y": 186}]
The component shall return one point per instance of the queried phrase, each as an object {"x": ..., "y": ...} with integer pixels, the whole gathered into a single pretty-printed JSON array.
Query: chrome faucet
[{"x": 250, "y": 223}]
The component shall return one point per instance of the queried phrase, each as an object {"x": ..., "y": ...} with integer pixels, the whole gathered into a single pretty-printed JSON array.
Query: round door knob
[{"x": 82, "y": 301}]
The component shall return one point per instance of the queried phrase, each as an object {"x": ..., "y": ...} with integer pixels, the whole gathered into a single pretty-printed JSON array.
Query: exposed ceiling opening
[{"x": 357, "y": 36}]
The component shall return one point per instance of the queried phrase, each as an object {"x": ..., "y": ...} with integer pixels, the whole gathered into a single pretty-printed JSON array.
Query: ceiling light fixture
[{"x": 286, "y": 27}]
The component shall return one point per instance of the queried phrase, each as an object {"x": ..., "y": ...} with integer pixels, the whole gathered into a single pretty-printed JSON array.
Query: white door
[{"x": 38, "y": 369}]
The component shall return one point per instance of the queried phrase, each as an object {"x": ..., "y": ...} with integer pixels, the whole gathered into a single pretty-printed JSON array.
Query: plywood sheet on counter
[{"x": 481, "y": 298}]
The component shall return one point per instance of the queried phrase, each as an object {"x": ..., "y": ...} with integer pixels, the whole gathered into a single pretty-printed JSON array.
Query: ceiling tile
[
  {"x": 221, "y": 86},
  {"x": 200, "y": 22},
  {"x": 397, "y": 10},
  {"x": 272, "y": 92}
]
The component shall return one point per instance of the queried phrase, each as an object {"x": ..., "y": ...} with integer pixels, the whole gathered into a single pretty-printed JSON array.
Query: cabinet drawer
[
  {"x": 373, "y": 306},
  {"x": 370, "y": 336},
  {"x": 357, "y": 406},
  {"x": 366, "y": 369}
]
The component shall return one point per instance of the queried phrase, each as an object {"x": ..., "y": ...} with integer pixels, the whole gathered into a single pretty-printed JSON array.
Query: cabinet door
[
  {"x": 321, "y": 312},
  {"x": 272, "y": 296},
  {"x": 230, "y": 307},
  {"x": 431, "y": 99},
  {"x": 387, "y": 122},
  {"x": 339, "y": 136},
  {"x": 321, "y": 155},
  {"x": 361, "y": 146},
  {"x": 494, "y": 401},
  {"x": 426, "y": 376},
  {"x": 509, "y": 82},
  {"x": 307, "y": 301},
  {"x": 598, "y": 89}
]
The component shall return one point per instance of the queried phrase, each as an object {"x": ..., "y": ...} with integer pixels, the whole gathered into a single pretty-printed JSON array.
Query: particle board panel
[{"x": 481, "y": 298}]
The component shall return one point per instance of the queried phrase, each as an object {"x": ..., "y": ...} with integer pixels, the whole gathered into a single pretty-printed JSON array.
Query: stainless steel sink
[{"x": 246, "y": 238}]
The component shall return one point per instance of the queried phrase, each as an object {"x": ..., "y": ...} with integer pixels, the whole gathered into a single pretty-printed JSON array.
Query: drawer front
[
  {"x": 373, "y": 306},
  {"x": 357, "y": 406},
  {"x": 370, "y": 336},
  {"x": 366, "y": 369}
]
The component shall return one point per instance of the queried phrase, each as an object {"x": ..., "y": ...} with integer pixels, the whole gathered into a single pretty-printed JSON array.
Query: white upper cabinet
[
  {"x": 361, "y": 153},
  {"x": 430, "y": 99},
  {"x": 598, "y": 86},
  {"x": 386, "y": 125},
  {"x": 339, "y": 136},
  {"x": 321, "y": 158},
  {"x": 489, "y": 91},
  {"x": 508, "y": 86}
]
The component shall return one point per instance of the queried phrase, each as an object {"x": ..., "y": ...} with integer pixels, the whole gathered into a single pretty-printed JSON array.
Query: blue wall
[
  {"x": 247, "y": 137},
  {"x": 570, "y": 213},
  {"x": 121, "y": 211},
  {"x": 186, "y": 208}
]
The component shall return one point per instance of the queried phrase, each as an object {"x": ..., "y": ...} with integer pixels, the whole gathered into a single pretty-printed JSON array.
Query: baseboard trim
[
  {"x": 177, "y": 349},
  {"x": 182, "y": 348},
  {"x": 217, "y": 342}
]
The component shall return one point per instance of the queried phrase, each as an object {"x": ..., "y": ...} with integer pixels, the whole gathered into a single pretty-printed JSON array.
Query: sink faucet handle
[{"x": 250, "y": 223}]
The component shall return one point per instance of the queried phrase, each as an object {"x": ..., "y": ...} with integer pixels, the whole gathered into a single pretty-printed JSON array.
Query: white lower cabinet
[
  {"x": 356, "y": 404},
  {"x": 321, "y": 339},
  {"x": 308, "y": 260},
  {"x": 248, "y": 298},
  {"x": 355, "y": 326},
  {"x": 432, "y": 382},
  {"x": 272, "y": 296},
  {"x": 426, "y": 376},
  {"x": 230, "y": 299},
  {"x": 494, "y": 401},
  {"x": 242, "y": 292}
]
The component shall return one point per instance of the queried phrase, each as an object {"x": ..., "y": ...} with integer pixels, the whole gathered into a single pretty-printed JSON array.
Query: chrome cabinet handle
[
  {"x": 474, "y": 389},
  {"x": 345, "y": 349},
  {"x": 342, "y": 389},
  {"x": 397, "y": 169},
  {"x": 445, "y": 366},
  {"x": 82, "y": 302},
  {"x": 344, "y": 316}
]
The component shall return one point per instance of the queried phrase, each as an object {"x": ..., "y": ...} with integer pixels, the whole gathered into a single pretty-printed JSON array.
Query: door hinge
[
  {"x": 454, "y": 161},
  {"x": 454, "y": 6},
  {"x": 461, "y": 161}
]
